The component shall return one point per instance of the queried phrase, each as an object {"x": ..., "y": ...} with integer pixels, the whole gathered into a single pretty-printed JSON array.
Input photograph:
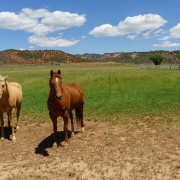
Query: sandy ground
[{"x": 135, "y": 150}]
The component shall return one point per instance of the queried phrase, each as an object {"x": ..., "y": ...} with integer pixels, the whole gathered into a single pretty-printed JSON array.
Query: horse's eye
[{"x": 2, "y": 85}]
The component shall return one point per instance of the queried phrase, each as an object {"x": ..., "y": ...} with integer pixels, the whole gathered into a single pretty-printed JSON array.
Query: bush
[{"x": 156, "y": 59}]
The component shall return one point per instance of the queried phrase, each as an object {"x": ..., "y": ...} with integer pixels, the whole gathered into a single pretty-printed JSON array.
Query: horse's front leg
[
  {"x": 65, "y": 118},
  {"x": 2, "y": 125},
  {"x": 54, "y": 121},
  {"x": 11, "y": 113}
]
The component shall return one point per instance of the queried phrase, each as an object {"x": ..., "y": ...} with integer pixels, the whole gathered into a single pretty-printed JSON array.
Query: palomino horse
[
  {"x": 10, "y": 99},
  {"x": 63, "y": 98}
]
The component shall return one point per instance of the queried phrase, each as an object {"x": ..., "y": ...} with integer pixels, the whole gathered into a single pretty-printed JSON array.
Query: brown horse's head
[
  {"x": 2, "y": 84},
  {"x": 55, "y": 84}
]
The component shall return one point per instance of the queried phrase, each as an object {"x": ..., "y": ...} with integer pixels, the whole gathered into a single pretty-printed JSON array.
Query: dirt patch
[{"x": 134, "y": 150}]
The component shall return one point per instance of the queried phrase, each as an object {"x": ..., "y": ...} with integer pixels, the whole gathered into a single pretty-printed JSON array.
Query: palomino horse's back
[
  {"x": 14, "y": 84},
  {"x": 15, "y": 91}
]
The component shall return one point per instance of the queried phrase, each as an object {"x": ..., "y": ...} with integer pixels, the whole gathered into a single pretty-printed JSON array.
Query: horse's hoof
[
  {"x": 13, "y": 140},
  {"x": 64, "y": 144},
  {"x": 83, "y": 130},
  {"x": 17, "y": 127},
  {"x": 66, "y": 148},
  {"x": 2, "y": 138},
  {"x": 54, "y": 147}
]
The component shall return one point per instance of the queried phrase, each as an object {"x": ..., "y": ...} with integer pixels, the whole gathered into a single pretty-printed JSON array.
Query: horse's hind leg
[
  {"x": 18, "y": 114},
  {"x": 65, "y": 118},
  {"x": 2, "y": 126},
  {"x": 72, "y": 124},
  {"x": 8, "y": 116},
  {"x": 81, "y": 118},
  {"x": 77, "y": 116}
]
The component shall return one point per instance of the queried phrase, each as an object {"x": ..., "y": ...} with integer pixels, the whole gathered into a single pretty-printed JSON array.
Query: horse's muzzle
[{"x": 59, "y": 96}]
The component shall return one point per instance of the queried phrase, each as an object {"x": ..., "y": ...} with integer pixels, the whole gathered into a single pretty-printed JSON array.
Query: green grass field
[{"x": 111, "y": 91}]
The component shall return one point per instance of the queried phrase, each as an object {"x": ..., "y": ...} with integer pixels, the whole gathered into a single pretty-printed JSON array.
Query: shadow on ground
[
  {"x": 48, "y": 142},
  {"x": 7, "y": 132}
]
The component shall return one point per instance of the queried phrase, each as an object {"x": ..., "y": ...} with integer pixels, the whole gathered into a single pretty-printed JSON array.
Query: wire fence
[{"x": 163, "y": 66}]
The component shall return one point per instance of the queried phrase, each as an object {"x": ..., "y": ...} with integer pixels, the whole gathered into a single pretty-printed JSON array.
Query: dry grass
[{"x": 135, "y": 149}]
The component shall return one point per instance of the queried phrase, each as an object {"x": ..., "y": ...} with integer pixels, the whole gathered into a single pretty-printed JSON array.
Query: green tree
[{"x": 156, "y": 59}]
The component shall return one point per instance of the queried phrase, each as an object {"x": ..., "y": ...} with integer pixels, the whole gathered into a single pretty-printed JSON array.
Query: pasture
[{"x": 131, "y": 118}]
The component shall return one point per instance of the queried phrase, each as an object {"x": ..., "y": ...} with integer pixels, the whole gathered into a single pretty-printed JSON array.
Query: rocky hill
[
  {"x": 12, "y": 56},
  {"x": 133, "y": 57}
]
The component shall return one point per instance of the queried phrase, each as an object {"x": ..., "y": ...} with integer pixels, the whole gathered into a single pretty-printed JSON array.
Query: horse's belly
[
  {"x": 4, "y": 109},
  {"x": 57, "y": 113}
]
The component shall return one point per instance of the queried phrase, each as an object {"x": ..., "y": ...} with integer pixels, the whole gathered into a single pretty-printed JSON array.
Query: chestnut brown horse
[
  {"x": 10, "y": 99},
  {"x": 62, "y": 100}
]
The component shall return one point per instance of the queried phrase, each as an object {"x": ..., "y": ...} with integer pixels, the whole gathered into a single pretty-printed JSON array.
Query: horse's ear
[
  {"x": 6, "y": 78},
  {"x": 51, "y": 73},
  {"x": 59, "y": 72}
]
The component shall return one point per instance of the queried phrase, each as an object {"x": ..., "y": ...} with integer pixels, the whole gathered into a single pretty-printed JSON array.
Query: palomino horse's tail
[{"x": 77, "y": 116}]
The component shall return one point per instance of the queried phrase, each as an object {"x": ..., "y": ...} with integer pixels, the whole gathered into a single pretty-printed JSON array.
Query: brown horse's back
[{"x": 76, "y": 94}]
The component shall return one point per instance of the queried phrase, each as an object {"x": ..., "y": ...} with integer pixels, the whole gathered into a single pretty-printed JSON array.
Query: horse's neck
[{"x": 63, "y": 89}]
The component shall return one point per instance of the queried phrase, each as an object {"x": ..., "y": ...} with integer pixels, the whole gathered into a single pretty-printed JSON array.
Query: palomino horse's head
[
  {"x": 2, "y": 84},
  {"x": 55, "y": 84}
]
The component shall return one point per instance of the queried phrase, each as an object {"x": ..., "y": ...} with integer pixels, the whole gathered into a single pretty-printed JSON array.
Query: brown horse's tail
[{"x": 77, "y": 116}]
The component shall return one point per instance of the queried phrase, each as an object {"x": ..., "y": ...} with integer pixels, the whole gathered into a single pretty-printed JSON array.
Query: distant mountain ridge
[
  {"x": 12, "y": 56},
  {"x": 133, "y": 57}
]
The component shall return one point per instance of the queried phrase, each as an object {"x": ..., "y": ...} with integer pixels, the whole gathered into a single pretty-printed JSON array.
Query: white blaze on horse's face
[
  {"x": 57, "y": 88},
  {"x": 56, "y": 80}
]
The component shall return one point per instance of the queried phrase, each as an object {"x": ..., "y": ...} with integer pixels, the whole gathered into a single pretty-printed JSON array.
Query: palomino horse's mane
[{"x": 2, "y": 78}]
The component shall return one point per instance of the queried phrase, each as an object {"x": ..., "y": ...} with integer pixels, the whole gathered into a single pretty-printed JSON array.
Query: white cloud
[
  {"x": 31, "y": 47},
  {"x": 175, "y": 31},
  {"x": 132, "y": 37},
  {"x": 130, "y": 25},
  {"x": 147, "y": 35},
  {"x": 42, "y": 21},
  {"x": 83, "y": 37},
  {"x": 158, "y": 32},
  {"x": 164, "y": 38},
  {"x": 44, "y": 41},
  {"x": 167, "y": 44}
]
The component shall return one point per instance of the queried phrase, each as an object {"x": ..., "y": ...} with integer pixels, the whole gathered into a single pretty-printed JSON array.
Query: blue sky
[{"x": 84, "y": 26}]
